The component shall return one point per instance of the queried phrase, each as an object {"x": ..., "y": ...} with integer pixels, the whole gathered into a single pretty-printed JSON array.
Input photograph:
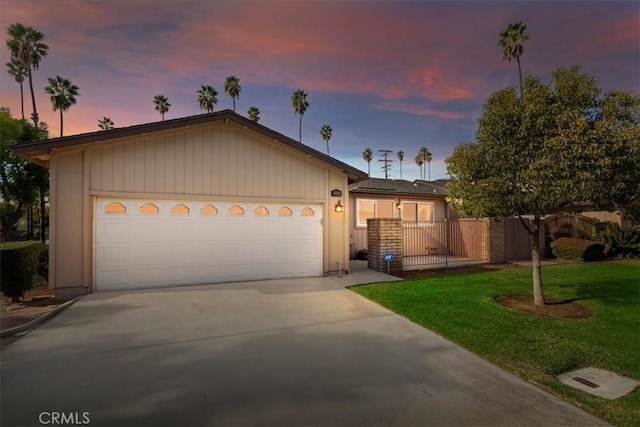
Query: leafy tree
[
  {"x": 426, "y": 156},
  {"x": 63, "y": 95},
  {"x": 18, "y": 71},
  {"x": 21, "y": 182},
  {"x": 232, "y": 88},
  {"x": 367, "y": 155},
  {"x": 420, "y": 161},
  {"x": 162, "y": 105},
  {"x": 300, "y": 105},
  {"x": 253, "y": 114},
  {"x": 400, "y": 155},
  {"x": 105, "y": 123},
  {"x": 27, "y": 48},
  {"x": 558, "y": 146},
  {"x": 511, "y": 40},
  {"x": 207, "y": 98},
  {"x": 325, "y": 133}
]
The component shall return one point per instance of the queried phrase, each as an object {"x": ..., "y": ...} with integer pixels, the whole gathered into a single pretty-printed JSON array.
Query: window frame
[
  {"x": 375, "y": 209},
  {"x": 417, "y": 203}
]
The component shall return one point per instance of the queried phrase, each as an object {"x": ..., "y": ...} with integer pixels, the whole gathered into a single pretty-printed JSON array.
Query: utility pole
[{"x": 386, "y": 167}]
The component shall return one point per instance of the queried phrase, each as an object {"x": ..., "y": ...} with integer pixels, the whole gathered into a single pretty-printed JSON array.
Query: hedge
[
  {"x": 577, "y": 249},
  {"x": 18, "y": 263}
]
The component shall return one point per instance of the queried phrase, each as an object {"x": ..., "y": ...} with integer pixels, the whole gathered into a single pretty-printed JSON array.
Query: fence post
[{"x": 493, "y": 241}]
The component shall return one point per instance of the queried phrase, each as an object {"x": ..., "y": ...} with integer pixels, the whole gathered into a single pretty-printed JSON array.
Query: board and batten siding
[{"x": 221, "y": 160}]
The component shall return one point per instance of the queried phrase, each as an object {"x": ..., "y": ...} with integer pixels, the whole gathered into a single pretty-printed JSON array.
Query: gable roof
[
  {"x": 399, "y": 187},
  {"x": 38, "y": 152}
]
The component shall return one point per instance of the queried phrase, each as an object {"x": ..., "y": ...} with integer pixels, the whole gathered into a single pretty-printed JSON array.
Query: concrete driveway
[{"x": 302, "y": 352}]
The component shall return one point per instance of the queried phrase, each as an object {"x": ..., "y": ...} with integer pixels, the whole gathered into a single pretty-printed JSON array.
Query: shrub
[
  {"x": 43, "y": 263},
  {"x": 18, "y": 263},
  {"x": 618, "y": 240},
  {"x": 576, "y": 249}
]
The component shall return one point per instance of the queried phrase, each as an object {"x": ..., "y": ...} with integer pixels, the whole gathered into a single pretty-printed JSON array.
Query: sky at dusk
[{"x": 390, "y": 75}]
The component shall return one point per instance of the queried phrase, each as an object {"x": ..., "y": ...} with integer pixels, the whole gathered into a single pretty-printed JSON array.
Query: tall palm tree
[
  {"x": 207, "y": 98},
  {"x": 426, "y": 156},
  {"x": 511, "y": 40},
  {"x": 105, "y": 123},
  {"x": 27, "y": 48},
  {"x": 253, "y": 114},
  {"x": 63, "y": 95},
  {"x": 420, "y": 162},
  {"x": 400, "y": 155},
  {"x": 367, "y": 155},
  {"x": 300, "y": 105},
  {"x": 18, "y": 71},
  {"x": 233, "y": 89},
  {"x": 325, "y": 133},
  {"x": 162, "y": 105}
]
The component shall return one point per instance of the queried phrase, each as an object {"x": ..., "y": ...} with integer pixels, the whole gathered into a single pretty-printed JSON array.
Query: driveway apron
[{"x": 300, "y": 352}]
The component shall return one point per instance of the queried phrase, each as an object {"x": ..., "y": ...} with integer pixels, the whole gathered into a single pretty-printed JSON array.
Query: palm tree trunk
[
  {"x": 400, "y": 170},
  {"x": 520, "y": 75},
  {"x": 61, "y": 123},
  {"x": 33, "y": 100},
  {"x": 538, "y": 294},
  {"x": 300, "y": 129},
  {"x": 234, "y": 103},
  {"x": 429, "y": 166},
  {"x": 22, "y": 101},
  {"x": 327, "y": 148},
  {"x": 369, "y": 168}
]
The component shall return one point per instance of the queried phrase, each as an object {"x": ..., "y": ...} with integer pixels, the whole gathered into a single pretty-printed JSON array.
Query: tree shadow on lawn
[{"x": 608, "y": 291}]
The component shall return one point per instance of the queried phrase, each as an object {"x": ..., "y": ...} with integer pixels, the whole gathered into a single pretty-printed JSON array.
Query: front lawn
[{"x": 461, "y": 307}]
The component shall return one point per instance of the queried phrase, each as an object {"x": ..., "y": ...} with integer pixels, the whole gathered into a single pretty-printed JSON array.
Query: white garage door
[{"x": 147, "y": 243}]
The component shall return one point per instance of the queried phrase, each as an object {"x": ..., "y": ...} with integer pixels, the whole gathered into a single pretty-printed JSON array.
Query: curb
[{"x": 36, "y": 322}]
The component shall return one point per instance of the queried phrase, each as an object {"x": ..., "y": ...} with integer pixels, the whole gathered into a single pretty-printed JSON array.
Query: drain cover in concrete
[{"x": 599, "y": 382}]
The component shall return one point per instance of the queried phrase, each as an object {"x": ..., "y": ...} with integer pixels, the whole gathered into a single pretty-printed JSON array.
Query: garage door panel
[{"x": 172, "y": 248}]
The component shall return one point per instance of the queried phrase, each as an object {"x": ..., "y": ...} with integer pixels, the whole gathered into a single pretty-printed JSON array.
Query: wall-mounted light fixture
[
  {"x": 339, "y": 207},
  {"x": 398, "y": 206}
]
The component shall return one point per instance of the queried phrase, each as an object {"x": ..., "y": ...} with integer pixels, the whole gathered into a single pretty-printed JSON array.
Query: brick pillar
[
  {"x": 384, "y": 235},
  {"x": 493, "y": 241}
]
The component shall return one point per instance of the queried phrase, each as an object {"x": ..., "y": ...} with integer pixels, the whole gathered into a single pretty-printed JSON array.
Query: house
[
  {"x": 202, "y": 199},
  {"x": 388, "y": 198}
]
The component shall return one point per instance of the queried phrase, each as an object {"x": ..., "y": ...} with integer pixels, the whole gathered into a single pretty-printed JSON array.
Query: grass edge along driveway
[{"x": 462, "y": 308}]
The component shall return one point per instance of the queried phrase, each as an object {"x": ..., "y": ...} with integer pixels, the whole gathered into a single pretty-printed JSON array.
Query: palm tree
[
  {"x": 300, "y": 105},
  {"x": 367, "y": 155},
  {"x": 325, "y": 133},
  {"x": 27, "y": 48},
  {"x": 400, "y": 155},
  {"x": 253, "y": 114},
  {"x": 511, "y": 40},
  {"x": 207, "y": 98},
  {"x": 18, "y": 71},
  {"x": 233, "y": 89},
  {"x": 162, "y": 105},
  {"x": 426, "y": 156},
  {"x": 63, "y": 95},
  {"x": 105, "y": 123},
  {"x": 420, "y": 162}
]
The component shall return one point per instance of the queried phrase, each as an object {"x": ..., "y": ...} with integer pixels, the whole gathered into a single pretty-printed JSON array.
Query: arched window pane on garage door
[
  {"x": 308, "y": 212},
  {"x": 180, "y": 209},
  {"x": 285, "y": 211},
  {"x": 209, "y": 210},
  {"x": 149, "y": 208},
  {"x": 115, "y": 207},
  {"x": 236, "y": 210},
  {"x": 261, "y": 210}
]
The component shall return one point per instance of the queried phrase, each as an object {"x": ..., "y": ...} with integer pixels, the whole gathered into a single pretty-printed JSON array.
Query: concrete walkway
[{"x": 279, "y": 353}]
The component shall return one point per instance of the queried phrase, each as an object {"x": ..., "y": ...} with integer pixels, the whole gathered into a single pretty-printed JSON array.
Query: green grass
[{"x": 461, "y": 307}]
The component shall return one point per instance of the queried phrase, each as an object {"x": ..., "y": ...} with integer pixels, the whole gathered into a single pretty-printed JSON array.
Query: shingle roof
[
  {"x": 33, "y": 150},
  {"x": 399, "y": 186}
]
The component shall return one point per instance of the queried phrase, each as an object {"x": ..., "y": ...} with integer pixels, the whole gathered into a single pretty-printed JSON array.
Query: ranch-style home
[
  {"x": 417, "y": 201},
  {"x": 202, "y": 199}
]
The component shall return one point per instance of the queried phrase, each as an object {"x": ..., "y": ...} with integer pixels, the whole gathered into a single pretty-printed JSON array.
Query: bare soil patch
[{"x": 562, "y": 309}]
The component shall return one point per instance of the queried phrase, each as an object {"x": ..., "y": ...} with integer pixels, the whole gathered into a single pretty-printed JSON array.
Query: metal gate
[{"x": 427, "y": 243}]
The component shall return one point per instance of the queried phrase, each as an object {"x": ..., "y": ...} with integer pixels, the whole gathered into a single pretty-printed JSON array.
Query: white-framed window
[
  {"x": 418, "y": 211},
  {"x": 369, "y": 208}
]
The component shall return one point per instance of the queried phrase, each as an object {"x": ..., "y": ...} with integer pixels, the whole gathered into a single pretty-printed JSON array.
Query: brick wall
[{"x": 384, "y": 235}]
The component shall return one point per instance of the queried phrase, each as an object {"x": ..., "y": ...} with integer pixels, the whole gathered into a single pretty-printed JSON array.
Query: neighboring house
[
  {"x": 202, "y": 199},
  {"x": 388, "y": 198}
]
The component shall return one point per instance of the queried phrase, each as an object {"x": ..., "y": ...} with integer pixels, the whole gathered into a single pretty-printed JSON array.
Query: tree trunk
[
  {"x": 520, "y": 75},
  {"x": 538, "y": 295},
  {"x": 61, "y": 123},
  {"x": 34, "y": 116},
  {"x": 300, "y": 129},
  {"x": 400, "y": 170},
  {"x": 429, "y": 166},
  {"x": 22, "y": 101},
  {"x": 30, "y": 221}
]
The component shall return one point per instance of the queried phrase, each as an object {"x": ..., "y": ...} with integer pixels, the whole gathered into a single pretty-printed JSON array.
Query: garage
[
  {"x": 195, "y": 200},
  {"x": 142, "y": 243}
]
